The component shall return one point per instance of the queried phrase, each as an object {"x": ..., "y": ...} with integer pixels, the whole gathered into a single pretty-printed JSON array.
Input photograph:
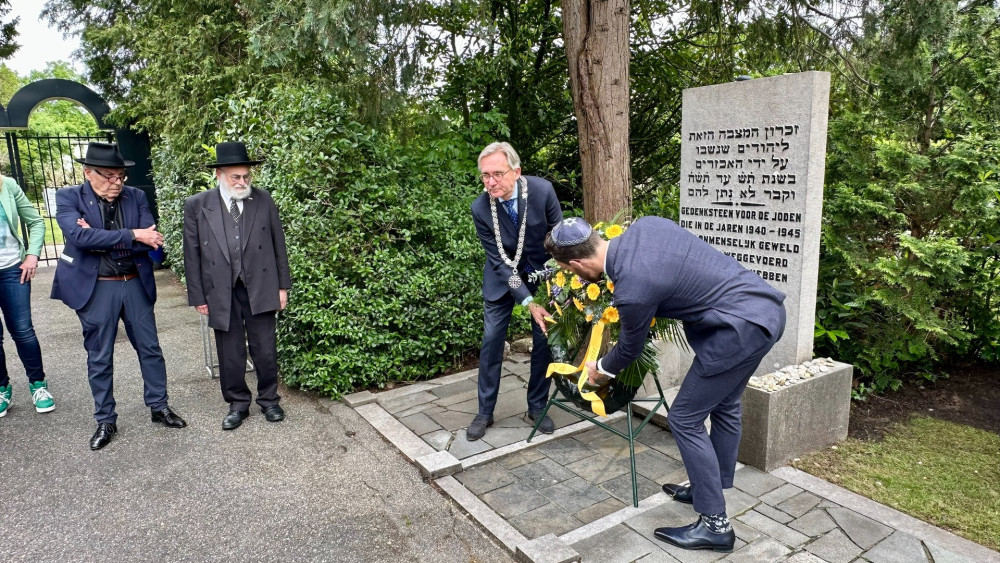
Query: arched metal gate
[{"x": 41, "y": 164}]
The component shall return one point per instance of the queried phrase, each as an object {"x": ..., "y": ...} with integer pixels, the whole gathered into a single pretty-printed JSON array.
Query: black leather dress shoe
[
  {"x": 234, "y": 419},
  {"x": 547, "y": 426},
  {"x": 680, "y": 493},
  {"x": 274, "y": 413},
  {"x": 698, "y": 536},
  {"x": 168, "y": 418},
  {"x": 102, "y": 437},
  {"x": 477, "y": 428}
]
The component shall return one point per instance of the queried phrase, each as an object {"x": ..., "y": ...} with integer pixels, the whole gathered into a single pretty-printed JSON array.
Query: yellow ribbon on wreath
[{"x": 596, "y": 335}]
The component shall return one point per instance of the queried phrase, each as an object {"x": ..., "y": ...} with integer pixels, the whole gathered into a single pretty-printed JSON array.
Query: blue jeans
[{"x": 15, "y": 302}]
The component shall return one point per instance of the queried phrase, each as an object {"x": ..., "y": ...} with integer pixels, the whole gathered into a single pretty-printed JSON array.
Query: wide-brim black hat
[
  {"x": 232, "y": 154},
  {"x": 105, "y": 155}
]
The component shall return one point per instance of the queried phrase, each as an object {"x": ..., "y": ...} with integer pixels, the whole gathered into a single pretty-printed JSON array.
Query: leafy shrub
[
  {"x": 910, "y": 264},
  {"x": 385, "y": 264}
]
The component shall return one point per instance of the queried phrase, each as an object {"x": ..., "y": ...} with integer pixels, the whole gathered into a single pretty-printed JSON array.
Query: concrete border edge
[
  {"x": 492, "y": 522},
  {"x": 538, "y": 440},
  {"x": 546, "y": 549},
  {"x": 393, "y": 430}
]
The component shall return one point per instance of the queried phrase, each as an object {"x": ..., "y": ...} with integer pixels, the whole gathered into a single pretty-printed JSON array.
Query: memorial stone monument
[{"x": 752, "y": 165}]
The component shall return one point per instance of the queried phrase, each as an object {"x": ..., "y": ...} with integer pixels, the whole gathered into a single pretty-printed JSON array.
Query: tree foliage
[
  {"x": 910, "y": 257},
  {"x": 8, "y": 32}
]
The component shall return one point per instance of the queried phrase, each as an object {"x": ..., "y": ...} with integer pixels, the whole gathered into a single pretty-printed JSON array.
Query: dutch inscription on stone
[{"x": 751, "y": 184}]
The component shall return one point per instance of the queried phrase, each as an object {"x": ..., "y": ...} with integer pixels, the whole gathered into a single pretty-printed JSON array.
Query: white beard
[{"x": 237, "y": 195}]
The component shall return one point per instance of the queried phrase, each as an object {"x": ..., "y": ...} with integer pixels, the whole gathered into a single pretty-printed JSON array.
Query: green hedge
[
  {"x": 909, "y": 276},
  {"x": 385, "y": 263}
]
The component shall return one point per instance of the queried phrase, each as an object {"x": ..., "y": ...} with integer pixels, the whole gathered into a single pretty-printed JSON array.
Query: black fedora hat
[
  {"x": 105, "y": 155},
  {"x": 232, "y": 154}
]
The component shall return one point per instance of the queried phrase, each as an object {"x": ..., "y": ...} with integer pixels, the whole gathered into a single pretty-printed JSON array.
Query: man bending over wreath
[{"x": 731, "y": 319}]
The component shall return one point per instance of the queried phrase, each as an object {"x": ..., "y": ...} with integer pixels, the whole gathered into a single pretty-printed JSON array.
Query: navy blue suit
[
  {"x": 100, "y": 304},
  {"x": 498, "y": 297},
  {"x": 76, "y": 273},
  {"x": 731, "y": 319}
]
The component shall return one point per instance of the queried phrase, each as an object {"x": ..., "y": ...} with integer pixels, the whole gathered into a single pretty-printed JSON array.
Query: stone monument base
[
  {"x": 675, "y": 361},
  {"x": 781, "y": 425}
]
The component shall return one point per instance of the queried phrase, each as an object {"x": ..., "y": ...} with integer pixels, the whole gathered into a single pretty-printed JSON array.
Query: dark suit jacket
[
  {"x": 660, "y": 269},
  {"x": 76, "y": 273},
  {"x": 543, "y": 214},
  {"x": 206, "y": 255}
]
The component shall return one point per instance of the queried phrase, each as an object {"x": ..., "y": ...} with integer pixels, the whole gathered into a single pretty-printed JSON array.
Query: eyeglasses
[
  {"x": 112, "y": 177},
  {"x": 495, "y": 175},
  {"x": 237, "y": 177}
]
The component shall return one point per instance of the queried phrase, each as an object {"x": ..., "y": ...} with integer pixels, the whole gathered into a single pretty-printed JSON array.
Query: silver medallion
[{"x": 514, "y": 282}]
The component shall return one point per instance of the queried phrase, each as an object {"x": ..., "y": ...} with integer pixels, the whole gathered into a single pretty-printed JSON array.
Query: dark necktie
[
  {"x": 234, "y": 210},
  {"x": 511, "y": 212}
]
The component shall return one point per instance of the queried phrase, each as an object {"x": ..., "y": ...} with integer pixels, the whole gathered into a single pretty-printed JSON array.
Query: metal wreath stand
[
  {"x": 618, "y": 396},
  {"x": 208, "y": 343}
]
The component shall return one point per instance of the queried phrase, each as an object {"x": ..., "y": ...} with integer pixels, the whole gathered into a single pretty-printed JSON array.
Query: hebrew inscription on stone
[
  {"x": 751, "y": 183},
  {"x": 729, "y": 200}
]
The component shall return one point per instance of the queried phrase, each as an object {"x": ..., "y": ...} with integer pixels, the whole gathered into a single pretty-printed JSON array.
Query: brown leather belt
[{"x": 123, "y": 277}]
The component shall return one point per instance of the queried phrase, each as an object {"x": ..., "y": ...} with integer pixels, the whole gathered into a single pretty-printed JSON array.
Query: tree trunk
[{"x": 596, "y": 33}]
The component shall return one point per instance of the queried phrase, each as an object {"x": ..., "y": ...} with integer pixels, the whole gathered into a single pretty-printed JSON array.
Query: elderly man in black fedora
[
  {"x": 105, "y": 274},
  {"x": 237, "y": 274}
]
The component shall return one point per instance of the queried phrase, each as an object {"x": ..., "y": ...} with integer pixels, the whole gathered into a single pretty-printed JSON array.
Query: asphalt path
[{"x": 320, "y": 486}]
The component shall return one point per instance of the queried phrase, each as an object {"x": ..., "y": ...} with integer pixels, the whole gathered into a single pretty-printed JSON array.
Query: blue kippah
[{"x": 571, "y": 231}]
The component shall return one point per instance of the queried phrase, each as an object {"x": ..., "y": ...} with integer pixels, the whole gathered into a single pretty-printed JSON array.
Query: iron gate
[{"x": 41, "y": 164}]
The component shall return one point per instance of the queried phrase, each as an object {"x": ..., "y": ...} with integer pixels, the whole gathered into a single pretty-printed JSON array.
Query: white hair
[{"x": 513, "y": 160}]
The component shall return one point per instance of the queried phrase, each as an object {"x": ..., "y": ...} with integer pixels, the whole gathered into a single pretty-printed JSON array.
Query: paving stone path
[{"x": 568, "y": 497}]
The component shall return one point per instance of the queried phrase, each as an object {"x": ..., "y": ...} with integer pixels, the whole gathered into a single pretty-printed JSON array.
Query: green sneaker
[
  {"x": 4, "y": 400},
  {"x": 41, "y": 397}
]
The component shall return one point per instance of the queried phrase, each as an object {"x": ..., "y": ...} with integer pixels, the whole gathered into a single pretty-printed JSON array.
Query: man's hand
[
  {"x": 538, "y": 313},
  {"x": 203, "y": 309},
  {"x": 595, "y": 378},
  {"x": 28, "y": 267},
  {"x": 81, "y": 222},
  {"x": 149, "y": 236},
  {"x": 283, "y": 298}
]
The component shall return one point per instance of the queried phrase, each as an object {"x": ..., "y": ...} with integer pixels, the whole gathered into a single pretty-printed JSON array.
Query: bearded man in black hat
[
  {"x": 237, "y": 274},
  {"x": 105, "y": 273}
]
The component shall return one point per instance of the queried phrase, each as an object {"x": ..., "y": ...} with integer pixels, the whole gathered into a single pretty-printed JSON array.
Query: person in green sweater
[{"x": 18, "y": 261}]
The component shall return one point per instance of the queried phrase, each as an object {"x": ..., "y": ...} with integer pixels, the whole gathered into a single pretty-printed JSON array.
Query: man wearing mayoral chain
[
  {"x": 731, "y": 319},
  {"x": 512, "y": 217}
]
